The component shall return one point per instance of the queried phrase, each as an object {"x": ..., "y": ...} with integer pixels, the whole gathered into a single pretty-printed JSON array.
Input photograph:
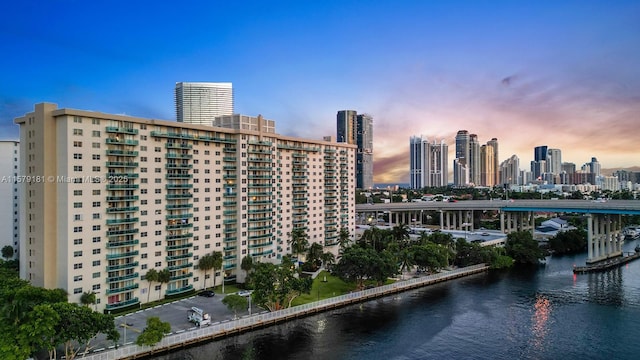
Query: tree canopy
[
  {"x": 523, "y": 248},
  {"x": 154, "y": 332},
  {"x": 275, "y": 286}
]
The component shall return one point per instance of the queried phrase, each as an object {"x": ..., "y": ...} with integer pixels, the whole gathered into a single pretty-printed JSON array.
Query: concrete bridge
[{"x": 604, "y": 218}]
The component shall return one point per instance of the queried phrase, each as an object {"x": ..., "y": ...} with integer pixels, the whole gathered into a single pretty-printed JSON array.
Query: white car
[{"x": 244, "y": 293}]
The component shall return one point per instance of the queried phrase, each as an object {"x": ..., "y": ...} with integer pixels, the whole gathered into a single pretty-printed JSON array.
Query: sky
[{"x": 564, "y": 74}]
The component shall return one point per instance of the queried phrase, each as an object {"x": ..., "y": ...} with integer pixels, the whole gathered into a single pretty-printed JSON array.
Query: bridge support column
[
  {"x": 604, "y": 240},
  {"x": 532, "y": 223},
  {"x": 441, "y": 220},
  {"x": 589, "y": 237},
  {"x": 502, "y": 228}
]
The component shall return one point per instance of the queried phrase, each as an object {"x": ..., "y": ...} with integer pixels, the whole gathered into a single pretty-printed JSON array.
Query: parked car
[
  {"x": 244, "y": 292},
  {"x": 207, "y": 293}
]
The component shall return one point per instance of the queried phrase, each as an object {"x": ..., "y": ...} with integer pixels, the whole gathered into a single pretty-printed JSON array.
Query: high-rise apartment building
[
  {"x": 10, "y": 179},
  {"x": 473, "y": 160},
  {"x": 539, "y": 163},
  {"x": 114, "y": 196},
  {"x": 201, "y": 102},
  {"x": 554, "y": 161},
  {"x": 353, "y": 128},
  {"x": 495, "y": 175},
  {"x": 462, "y": 173},
  {"x": 429, "y": 163},
  {"x": 510, "y": 171},
  {"x": 487, "y": 169}
]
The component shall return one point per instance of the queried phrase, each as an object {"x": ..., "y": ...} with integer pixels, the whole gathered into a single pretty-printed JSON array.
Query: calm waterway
[{"x": 542, "y": 313}]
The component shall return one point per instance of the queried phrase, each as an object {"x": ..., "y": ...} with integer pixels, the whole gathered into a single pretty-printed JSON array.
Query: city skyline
[{"x": 561, "y": 75}]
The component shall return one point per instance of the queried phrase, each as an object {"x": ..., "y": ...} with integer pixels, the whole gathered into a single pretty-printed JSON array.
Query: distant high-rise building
[
  {"x": 496, "y": 163},
  {"x": 510, "y": 171},
  {"x": 428, "y": 163},
  {"x": 554, "y": 161},
  {"x": 487, "y": 170},
  {"x": 462, "y": 146},
  {"x": 460, "y": 174},
  {"x": 353, "y": 128},
  {"x": 201, "y": 102},
  {"x": 539, "y": 163},
  {"x": 473, "y": 162}
]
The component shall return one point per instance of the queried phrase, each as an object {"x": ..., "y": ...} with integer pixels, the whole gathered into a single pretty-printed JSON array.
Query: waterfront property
[
  {"x": 109, "y": 197},
  {"x": 219, "y": 330}
]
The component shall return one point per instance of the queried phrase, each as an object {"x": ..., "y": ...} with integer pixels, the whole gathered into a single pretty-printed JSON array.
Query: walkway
[{"x": 185, "y": 338}]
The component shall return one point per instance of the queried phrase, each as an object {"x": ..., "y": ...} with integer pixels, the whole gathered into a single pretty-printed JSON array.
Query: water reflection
[
  {"x": 606, "y": 288},
  {"x": 540, "y": 322}
]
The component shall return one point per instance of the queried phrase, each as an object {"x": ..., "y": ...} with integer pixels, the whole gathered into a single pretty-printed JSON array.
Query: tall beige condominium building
[
  {"x": 201, "y": 102},
  {"x": 110, "y": 197},
  {"x": 10, "y": 180}
]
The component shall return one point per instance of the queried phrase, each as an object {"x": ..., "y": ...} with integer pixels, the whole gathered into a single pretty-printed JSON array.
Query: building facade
[
  {"x": 201, "y": 102},
  {"x": 113, "y": 196},
  {"x": 428, "y": 163},
  {"x": 10, "y": 179},
  {"x": 354, "y": 128}
]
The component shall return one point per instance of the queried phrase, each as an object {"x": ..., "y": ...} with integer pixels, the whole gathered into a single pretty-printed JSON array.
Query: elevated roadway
[{"x": 604, "y": 218}]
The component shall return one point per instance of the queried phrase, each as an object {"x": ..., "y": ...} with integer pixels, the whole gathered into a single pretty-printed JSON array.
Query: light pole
[{"x": 249, "y": 304}]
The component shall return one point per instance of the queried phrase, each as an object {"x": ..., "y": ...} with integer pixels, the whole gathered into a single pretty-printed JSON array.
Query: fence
[{"x": 178, "y": 340}]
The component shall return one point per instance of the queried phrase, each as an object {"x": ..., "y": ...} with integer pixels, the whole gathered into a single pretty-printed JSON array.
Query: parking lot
[{"x": 174, "y": 313}]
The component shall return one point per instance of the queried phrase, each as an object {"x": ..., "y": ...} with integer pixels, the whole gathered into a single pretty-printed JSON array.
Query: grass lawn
[{"x": 323, "y": 290}]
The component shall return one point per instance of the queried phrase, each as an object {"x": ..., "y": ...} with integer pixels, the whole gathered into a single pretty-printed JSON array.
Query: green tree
[
  {"x": 7, "y": 252},
  {"x": 79, "y": 325},
  {"x": 569, "y": 242},
  {"x": 344, "y": 238},
  {"x": 164, "y": 277},
  {"x": 523, "y": 248},
  {"x": 247, "y": 264},
  {"x": 328, "y": 259},
  {"x": 299, "y": 241},
  {"x": 205, "y": 264},
  {"x": 314, "y": 253},
  {"x": 88, "y": 298},
  {"x": 430, "y": 256},
  {"x": 151, "y": 276},
  {"x": 154, "y": 332},
  {"x": 400, "y": 233},
  {"x": 360, "y": 263},
  {"x": 275, "y": 286},
  {"x": 405, "y": 258},
  {"x": 217, "y": 264},
  {"x": 235, "y": 303}
]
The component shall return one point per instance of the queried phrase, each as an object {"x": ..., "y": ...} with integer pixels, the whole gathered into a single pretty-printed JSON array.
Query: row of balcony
[{"x": 193, "y": 137}]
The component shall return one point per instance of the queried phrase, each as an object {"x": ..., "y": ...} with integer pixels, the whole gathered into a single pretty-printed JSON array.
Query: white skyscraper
[
  {"x": 201, "y": 102},
  {"x": 428, "y": 163}
]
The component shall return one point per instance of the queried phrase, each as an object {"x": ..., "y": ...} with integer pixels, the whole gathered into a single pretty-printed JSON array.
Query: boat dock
[{"x": 607, "y": 264}]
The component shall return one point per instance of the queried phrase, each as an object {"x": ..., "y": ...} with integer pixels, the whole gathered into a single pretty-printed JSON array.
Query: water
[{"x": 540, "y": 313}]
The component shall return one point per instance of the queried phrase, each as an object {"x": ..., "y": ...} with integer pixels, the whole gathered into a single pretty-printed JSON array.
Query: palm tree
[
  {"x": 405, "y": 257},
  {"x": 205, "y": 264},
  {"x": 328, "y": 259},
  {"x": 247, "y": 264},
  {"x": 299, "y": 240},
  {"x": 314, "y": 254},
  {"x": 151, "y": 276},
  {"x": 400, "y": 234},
  {"x": 88, "y": 298},
  {"x": 343, "y": 238},
  {"x": 164, "y": 276},
  {"x": 216, "y": 262},
  {"x": 372, "y": 236}
]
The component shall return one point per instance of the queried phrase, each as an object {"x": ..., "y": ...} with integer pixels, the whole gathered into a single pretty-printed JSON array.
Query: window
[
  {"x": 96, "y": 251},
  {"x": 77, "y": 156},
  {"x": 77, "y": 229},
  {"x": 77, "y": 241},
  {"x": 96, "y": 204},
  {"x": 77, "y": 290},
  {"x": 77, "y": 144},
  {"x": 77, "y": 168},
  {"x": 77, "y": 253},
  {"x": 96, "y": 239},
  {"x": 95, "y": 133},
  {"x": 96, "y": 263},
  {"x": 77, "y": 266},
  {"x": 95, "y": 145}
]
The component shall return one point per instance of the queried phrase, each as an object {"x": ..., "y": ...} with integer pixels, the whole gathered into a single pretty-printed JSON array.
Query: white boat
[{"x": 631, "y": 232}]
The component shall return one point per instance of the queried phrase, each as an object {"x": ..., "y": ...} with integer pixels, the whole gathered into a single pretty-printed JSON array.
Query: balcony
[
  {"x": 124, "y": 164},
  {"x": 229, "y": 159},
  {"x": 122, "y": 221},
  {"x": 179, "y": 226},
  {"x": 177, "y": 145},
  {"x": 260, "y": 211},
  {"x": 254, "y": 246},
  {"x": 117, "y": 244},
  {"x": 178, "y": 247},
  {"x": 118, "y": 141},
  {"x": 123, "y": 277},
  {"x": 229, "y": 150},
  {"x": 179, "y": 196},
  {"x": 178, "y": 166},
  {"x": 179, "y": 186},
  {"x": 122, "y": 153},
  {"x": 179, "y": 290},
  {"x": 179, "y": 256},
  {"x": 267, "y": 252},
  {"x": 122, "y": 255},
  {"x": 122, "y": 232},
  {"x": 178, "y": 176},
  {"x": 230, "y": 230},
  {"x": 115, "y": 187},
  {"x": 178, "y": 206},
  {"x": 122, "y": 289},
  {"x": 229, "y": 221},
  {"x": 121, "y": 130},
  {"x": 179, "y": 236},
  {"x": 182, "y": 276},
  {"x": 181, "y": 266},
  {"x": 128, "y": 265},
  {"x": 123, "y": 198},
  {"x": 179, "y": 216},
  {"x": 178, "y": 156},
  {"x": 229, "y": 248},
  {"x": 261, "y": 236},
  {"x": 112, "y": 210},
  {"x": 121, "y": 304}
]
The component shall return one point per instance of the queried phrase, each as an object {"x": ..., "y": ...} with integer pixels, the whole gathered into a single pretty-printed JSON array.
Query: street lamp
[{"x": 249, "y": 304}]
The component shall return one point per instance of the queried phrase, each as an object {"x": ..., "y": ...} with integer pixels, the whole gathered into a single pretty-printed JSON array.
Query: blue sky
[{"x": 558, "y": 73}]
